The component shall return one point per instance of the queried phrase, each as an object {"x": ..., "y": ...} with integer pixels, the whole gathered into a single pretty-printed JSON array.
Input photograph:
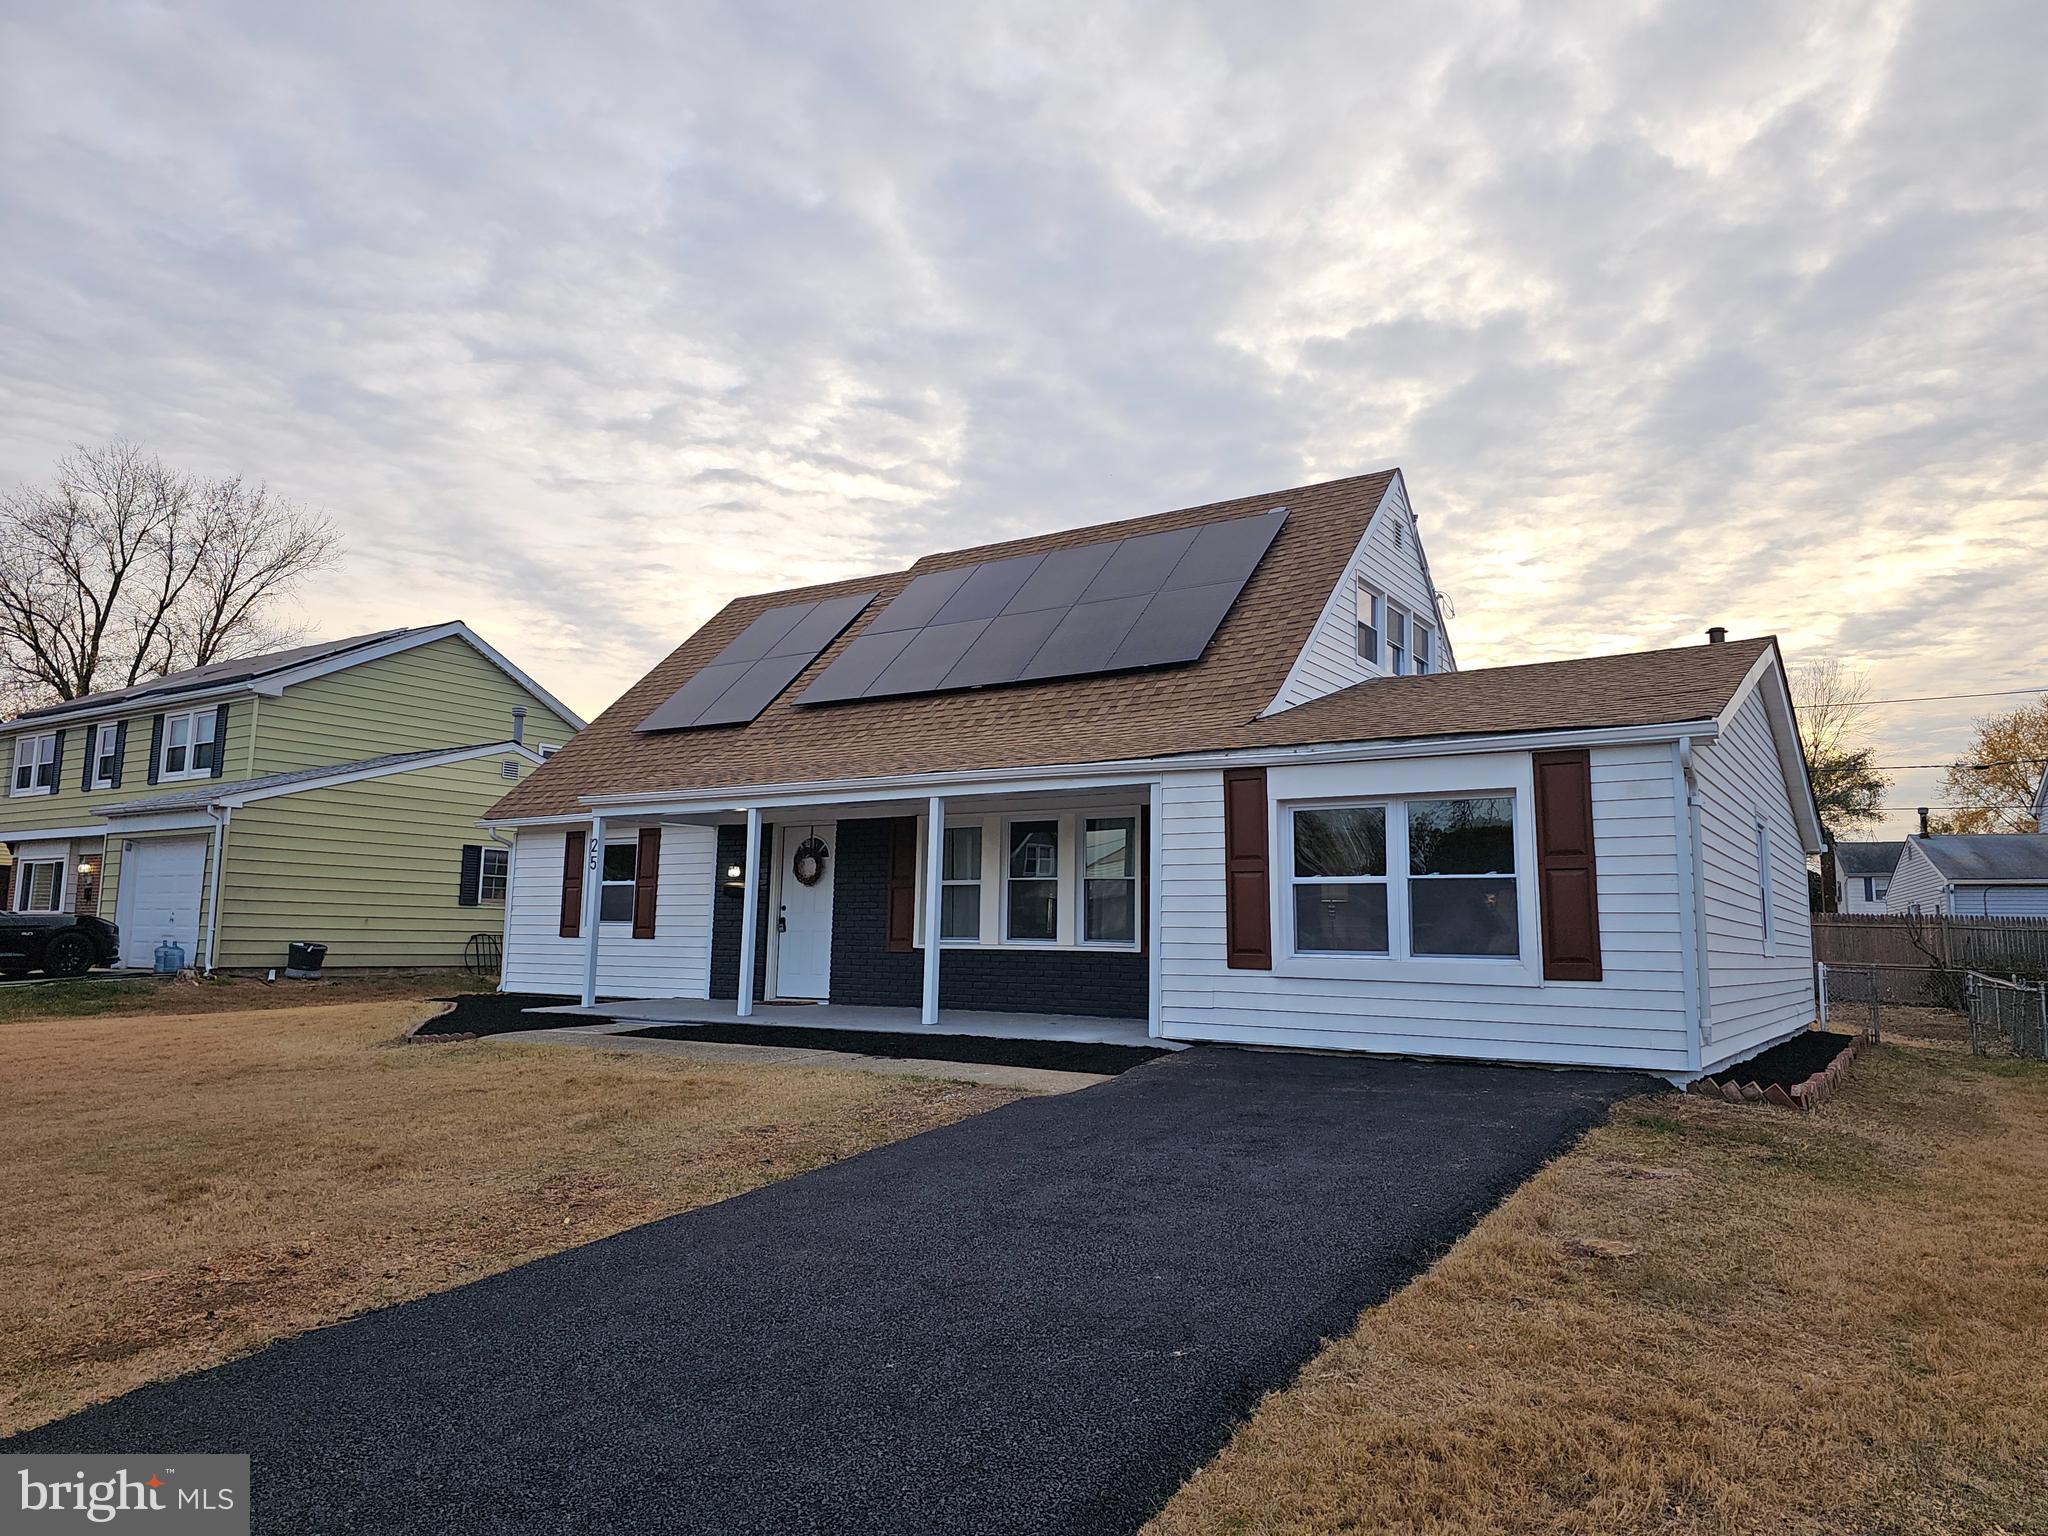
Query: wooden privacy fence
[{"x": 1923, "y": 959}]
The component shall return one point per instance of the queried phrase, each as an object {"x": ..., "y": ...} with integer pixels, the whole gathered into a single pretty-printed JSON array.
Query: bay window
[
  {"x": 960, "y": 884},
  {"x": 1109, "y": 880},
  {"x": 35, "y": 765},
  {"x": 1413, "y": 878},
  {"x": 1032, "y": 889}
]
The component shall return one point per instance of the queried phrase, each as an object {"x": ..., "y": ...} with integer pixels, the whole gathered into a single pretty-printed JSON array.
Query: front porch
[{"x": 629, "y": 1014}]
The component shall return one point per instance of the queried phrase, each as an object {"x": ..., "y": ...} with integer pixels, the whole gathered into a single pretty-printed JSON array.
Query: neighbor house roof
[
  {"x": 215, "y": 791},
  {"x": 2000, "y": 856},
  {"x": 216, "y": 674},
  {"x": 1208, "y": 705},
  {"x": 1868, "y": 858}
]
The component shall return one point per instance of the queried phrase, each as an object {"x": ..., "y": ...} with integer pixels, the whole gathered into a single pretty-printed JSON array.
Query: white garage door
[
  {"x": 160, "y": 886},
  {"x": 2016, "y": 900}
]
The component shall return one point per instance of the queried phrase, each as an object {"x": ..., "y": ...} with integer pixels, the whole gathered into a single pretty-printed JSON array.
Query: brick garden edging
[{"x": 1803, "y": 1095}]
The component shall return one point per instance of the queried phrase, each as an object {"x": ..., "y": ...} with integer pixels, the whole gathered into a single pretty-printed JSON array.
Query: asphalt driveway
[{"x": 1038, "y": 1320}]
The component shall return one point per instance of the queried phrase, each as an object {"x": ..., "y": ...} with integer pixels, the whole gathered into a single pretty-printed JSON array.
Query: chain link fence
[{"x": 2008, "y": 1014}]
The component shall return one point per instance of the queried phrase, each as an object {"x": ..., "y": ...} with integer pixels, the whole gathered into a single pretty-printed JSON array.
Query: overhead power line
[
  {"x": 1923, "y": 698},
  {"x": 2003, "y": 762}
]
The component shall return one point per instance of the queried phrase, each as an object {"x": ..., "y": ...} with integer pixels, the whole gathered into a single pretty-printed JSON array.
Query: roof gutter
[{"x": 1085, "y": 775}]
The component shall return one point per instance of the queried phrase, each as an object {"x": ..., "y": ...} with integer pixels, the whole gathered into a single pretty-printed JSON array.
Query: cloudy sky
[{"x": 581, "y": 320}]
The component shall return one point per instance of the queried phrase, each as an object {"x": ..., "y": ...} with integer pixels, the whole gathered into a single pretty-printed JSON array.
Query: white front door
[
  {"x": 803, "y": 941},
  {"x": 159, "y": 897}
]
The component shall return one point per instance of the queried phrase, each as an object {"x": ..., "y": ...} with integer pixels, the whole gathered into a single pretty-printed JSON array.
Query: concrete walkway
[
  {"x": 1039, "y": 1320},
  {"x": 614, "y": 1037},
  {"x": 639, "y": 1013}
]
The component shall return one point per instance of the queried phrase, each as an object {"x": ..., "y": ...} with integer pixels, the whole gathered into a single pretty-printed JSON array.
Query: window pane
[
  {"x": 1350, "y": 919},
  {"x": 1107, "y": 850},
  {"x": 202, "y": 726},
  {"x": 615, "y": 904},
  {"x": 180, "y": 730},
  {"x": 1350, "y": 840},
  {"x": 1034, "y": 909},
  {"x": 620, "y": 861},
  {"x": 960, "y": 912},
  {"x": 1462, "y": 837},
  {"x": 1463, "y": 917},
  {"x": 962, "y": 859},
  {"x": 174, "y": 760},
  {"x": 1034, "y": 850},
  {"x": 202, "y": 754},
  {"x": 1110, "y": 912},
  {"x": 491, "y": 874}
]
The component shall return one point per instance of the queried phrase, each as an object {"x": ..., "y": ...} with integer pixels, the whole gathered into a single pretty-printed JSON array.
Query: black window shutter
[
  {"x": 57, "y": 769},
  {"x": 220, "y": 739},
  {"x": 572, "y": 883},
  {"x": 1567, "y": 884},
  {"x": 646, "y": 882},
  {"x": 1247, "y": 896},
  {"x": 472, "y": 875},
  {"x": 156, "y": 746},
  {"x": 120, "y": 751},
  {"x": 902, "y": 901},
  {"x": 92, "y": 742}
]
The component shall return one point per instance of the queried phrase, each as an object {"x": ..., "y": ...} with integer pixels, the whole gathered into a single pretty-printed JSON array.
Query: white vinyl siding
[
  {"x": 1760, "y": 975},
  {"x": 1916, "y": 884},
  {"x": 1330, "y": 659},
  {"x": 1636, "y": 1017},
  {"x": 676, "y": 962}
]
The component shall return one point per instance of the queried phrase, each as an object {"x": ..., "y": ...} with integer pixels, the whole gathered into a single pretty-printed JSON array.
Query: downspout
[
  {"x": 1696, "y": 857},
  {"x": 222, "y": 815}
]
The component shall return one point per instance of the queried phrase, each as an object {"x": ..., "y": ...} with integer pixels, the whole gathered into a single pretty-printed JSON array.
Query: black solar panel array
[
  {"x": 762, "y": 660},
  {"x": 1148, "y": 601}
]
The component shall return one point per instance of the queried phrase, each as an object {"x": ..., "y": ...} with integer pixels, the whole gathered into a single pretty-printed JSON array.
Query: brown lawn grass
[
  {"x": 182, "y": 1188},
  {"x": 1829, "y": 1323}
]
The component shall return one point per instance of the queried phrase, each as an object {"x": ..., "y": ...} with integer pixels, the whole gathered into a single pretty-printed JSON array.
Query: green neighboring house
[{"x": 330, "y": 792}]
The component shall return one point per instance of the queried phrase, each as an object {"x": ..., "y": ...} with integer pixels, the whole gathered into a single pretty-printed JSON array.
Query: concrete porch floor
[{"x": 638, "y": 1013}]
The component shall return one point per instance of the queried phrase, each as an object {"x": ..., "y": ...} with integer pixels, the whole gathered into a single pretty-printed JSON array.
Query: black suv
[{"x": 56, "y": 943}]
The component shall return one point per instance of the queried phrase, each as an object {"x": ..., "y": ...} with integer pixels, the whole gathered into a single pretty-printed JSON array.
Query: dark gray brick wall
[{"x": 1105, "y": 983}]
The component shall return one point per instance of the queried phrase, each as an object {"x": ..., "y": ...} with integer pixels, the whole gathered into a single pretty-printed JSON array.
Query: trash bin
[{"x": 303, "y": 959}]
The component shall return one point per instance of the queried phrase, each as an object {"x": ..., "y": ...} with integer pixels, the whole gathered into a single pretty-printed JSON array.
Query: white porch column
[
  {"x": 1155, "y": 909},
  {"x": 593, "y": 890},
  {"x": 934, "y": 885},
  {"x": 750, "y": 911}
]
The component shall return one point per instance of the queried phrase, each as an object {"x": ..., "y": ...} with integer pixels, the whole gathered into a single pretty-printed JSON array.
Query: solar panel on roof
[
  {"x": 1151, "y": 600},
  {"x": 757, "y": 664}
]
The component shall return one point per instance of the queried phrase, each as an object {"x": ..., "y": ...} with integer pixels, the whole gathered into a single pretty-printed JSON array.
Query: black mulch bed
[
  {"x": 497, "y": 1013},
  {"x": 1788, "y": 1062},
  {"x": 1049, "y": 1055}
]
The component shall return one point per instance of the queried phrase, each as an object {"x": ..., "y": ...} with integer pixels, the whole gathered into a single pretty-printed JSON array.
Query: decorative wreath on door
[{"x": 809, "y": 864}]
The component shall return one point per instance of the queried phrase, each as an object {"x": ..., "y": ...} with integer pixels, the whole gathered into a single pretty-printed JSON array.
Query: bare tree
[
  {"x": 123, "y": 569},
  {"x": 1833, "y": 704}
]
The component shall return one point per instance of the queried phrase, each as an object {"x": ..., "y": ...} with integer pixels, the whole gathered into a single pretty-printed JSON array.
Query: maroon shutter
[
  {"x": 1247, "y": 904},
  {"x": 902, "y": 884},
  {"x": 646, "y": 876},
  {"x": 572, "y": 883},
  {"x": 1566, "y": 887}
]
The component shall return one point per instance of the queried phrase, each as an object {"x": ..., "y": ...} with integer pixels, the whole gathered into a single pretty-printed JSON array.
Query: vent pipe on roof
[
  {"x": 1717, "y": 636},
  {"x": 1923, "y": 821},
  {"x": 518, "y": 723}
]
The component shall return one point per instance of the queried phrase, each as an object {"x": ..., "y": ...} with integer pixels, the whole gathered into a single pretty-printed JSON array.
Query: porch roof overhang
[{"x": 1061, "y": 778}]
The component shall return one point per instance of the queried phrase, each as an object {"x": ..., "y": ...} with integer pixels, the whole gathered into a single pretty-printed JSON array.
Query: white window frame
[
  {"x": 33, "y": 752},
  {"x": 103, "y": 740},
  {"x": 1082, "y": 877},
  {"x": 1505, "y": 775},
  {"x": 630, "y": 885},
  {"x": 24, "y": 877},
  {"x": 1385, "y": 879},
  {"x": 1421, "y": 646},
  {"x": 1372, "y": 615},
  {"x": 977, "y": 883},
  {"x": 1397, "y": 655},
  {"x": 1061, "y": 879},
  {"x": 1880, "y": 887},
  {"x": 503, "y": 876},
  {"x": 995, "y": 886},
  {"x": 190, "y": 718}
]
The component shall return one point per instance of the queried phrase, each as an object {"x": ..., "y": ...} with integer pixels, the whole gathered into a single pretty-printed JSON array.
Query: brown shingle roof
[{"x": 1207, "y": 705}]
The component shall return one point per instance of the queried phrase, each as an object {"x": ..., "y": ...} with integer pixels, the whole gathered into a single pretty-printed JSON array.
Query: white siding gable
[
  {"x": 1389, "y": 557},
  {"x": 1916, "y": 884},
  {"x": 676, "y": 962},
  {"x": 1759, "y": 968}
]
